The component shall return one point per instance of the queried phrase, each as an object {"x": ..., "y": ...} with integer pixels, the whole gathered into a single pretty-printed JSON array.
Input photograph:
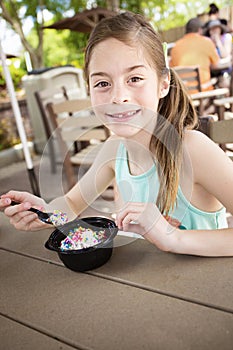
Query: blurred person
[
  {"x": 215, "y": 14},
  {"x": 217, "y": 32},
  {"x": 222, "y": 40},
  {"x": 194, "y": 49}
]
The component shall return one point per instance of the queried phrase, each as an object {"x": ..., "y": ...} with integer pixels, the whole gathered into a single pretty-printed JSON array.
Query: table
[{"x": 141, "y": 299}]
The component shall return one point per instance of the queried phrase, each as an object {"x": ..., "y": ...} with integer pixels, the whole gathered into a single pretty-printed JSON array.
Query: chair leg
[
  {"x": 52, "y": 156},
  {"x": 220, "y": 112}
]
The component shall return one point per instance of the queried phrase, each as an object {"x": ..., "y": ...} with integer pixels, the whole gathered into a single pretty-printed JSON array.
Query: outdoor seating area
[
  {"x": 202, "y": 98},
  {"x": 131, "y": 248},
  {"x": 212, "y": 106}
]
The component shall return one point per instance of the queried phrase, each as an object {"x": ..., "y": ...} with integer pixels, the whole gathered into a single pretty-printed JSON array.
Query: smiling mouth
[{"x": 124, "y": 115}]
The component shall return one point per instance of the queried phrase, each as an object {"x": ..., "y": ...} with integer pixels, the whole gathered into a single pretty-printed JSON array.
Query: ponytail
[{"x": 175, "y": 114}]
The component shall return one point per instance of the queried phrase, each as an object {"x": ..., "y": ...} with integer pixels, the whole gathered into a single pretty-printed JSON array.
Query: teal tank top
[{"x": 145, "y": 187}]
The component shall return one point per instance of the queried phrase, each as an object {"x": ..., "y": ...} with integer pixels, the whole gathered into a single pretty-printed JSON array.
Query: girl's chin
[{"x": 123, "y": 130}]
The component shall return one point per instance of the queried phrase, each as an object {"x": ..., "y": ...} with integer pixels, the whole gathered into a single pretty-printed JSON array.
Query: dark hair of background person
[
  {"x": 193, "y": 25},
  {"x": 213, "y": 9}
]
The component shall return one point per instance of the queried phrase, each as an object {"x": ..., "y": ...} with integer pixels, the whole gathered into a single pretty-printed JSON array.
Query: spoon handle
[{"x": 41, "y": 215}]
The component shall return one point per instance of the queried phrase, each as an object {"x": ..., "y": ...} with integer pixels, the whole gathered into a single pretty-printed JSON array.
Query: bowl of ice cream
[{"x": 84, "y": 244}]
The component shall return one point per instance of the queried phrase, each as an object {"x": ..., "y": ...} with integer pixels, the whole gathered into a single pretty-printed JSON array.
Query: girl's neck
[{"x": 140, "y": 158}]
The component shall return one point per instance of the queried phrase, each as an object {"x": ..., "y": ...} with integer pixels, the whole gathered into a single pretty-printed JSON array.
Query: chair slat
[
  {"x": 82, "y": 125},
  {"x": 221, "y": 131}
]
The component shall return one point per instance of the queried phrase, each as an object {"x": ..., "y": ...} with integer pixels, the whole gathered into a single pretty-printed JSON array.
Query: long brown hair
[{"x": 175, "y": 111}]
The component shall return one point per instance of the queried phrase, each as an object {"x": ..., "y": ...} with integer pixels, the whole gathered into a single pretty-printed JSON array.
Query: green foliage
[
  {"x": 6, "y": 138},
  {"x": 163, "y": 14},
  {"x": 61, "y": 48},
  {"x": 133, "y": 5},
  {"x": 170, "y": 14},
  {"x": 16, "y": 74},
  {"x": 67, "y": 47}
]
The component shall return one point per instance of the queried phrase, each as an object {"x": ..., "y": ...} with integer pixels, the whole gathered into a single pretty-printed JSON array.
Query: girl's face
[{"x": 124, "y": 88}]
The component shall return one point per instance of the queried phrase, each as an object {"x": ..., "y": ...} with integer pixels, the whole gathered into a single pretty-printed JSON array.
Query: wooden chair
[
  {"x": 43, "y": 97},
  {"x": 221, "y": 132},
  {"x": 190, "y": 77},
  {"x": 223, "y": 105},
  {"x": 82, "y": 126}
]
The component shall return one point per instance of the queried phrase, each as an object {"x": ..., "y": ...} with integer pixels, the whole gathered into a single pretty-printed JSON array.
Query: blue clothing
[
  {"x": 225, "y": 70},
  {"x": 145, "y": 187}
]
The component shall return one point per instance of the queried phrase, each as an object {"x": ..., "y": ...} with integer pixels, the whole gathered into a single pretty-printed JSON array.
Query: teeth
[{"x": 119, "y": 116}]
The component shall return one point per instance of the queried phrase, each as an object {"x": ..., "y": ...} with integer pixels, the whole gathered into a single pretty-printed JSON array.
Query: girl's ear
[{"x": 164, "y": 86}]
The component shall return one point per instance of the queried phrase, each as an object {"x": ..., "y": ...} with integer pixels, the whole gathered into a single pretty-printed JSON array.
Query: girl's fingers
[
  {"x": 129, "y": 218},
  {"x": 17, "y": 196},
  {"x": 27, "y": 221},
  {"x": 15, "y": 209},
  {"x": 145, "y": 215},
  {"x": 25, "y": 216},
  {"x": 130, "y": 208},
  {"x": 20, "y": 216},
  {"x": 21, "y": 197}
]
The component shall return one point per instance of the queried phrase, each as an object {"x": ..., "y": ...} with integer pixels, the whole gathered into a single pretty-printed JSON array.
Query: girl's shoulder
[
  {"x": 202, "y": 151},
  {"x": 198, "y": 144},
  {"x": 194, "y": 137}
]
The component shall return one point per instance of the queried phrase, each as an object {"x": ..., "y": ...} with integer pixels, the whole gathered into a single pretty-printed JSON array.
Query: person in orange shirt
[{"x": 194, "y": 49}]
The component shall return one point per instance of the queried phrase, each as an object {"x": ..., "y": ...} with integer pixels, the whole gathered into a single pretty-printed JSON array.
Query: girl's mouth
[{"x": 123, "y": 116}]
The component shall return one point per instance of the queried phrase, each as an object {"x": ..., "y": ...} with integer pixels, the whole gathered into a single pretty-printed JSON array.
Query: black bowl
[{"x": 87, "y": 258}]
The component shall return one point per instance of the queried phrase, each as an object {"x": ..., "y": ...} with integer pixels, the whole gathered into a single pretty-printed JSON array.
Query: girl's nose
[
  {"x": 119, "y": 100},
  {"x": 120, "y": 95}
]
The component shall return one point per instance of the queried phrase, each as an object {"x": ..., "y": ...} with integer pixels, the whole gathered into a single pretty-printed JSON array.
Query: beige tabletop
[{"x": 141, "y": 298}]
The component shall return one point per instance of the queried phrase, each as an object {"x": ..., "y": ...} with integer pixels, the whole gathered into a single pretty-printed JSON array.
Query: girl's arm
[
  {"x": 90, "y": 186},
  {"x": 213, "y": 170},
  {"x": 146, "y": 220}
]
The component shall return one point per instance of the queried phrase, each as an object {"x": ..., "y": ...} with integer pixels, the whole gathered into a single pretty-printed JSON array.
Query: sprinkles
[
  {"x": 58, "y": 218},
  {"x": 81, "y": 237}
]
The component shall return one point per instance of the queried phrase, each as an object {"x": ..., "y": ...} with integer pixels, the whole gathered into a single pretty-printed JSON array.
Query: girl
[{"x": 168, "y": 176}]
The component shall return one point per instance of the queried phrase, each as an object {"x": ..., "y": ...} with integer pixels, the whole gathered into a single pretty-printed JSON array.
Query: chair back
[
  {"x": 43, "y": 97},
  {"x": 83, "y": 126},
  {"x": 202, "y": 94},
  {"x": 221, "y": 132},
  {"x": 190, "y": 77}
]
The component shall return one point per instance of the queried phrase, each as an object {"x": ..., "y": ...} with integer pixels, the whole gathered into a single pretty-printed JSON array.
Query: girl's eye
[
  {"x": 135, "y": 79},
  {"x": 101, "y": 84}
]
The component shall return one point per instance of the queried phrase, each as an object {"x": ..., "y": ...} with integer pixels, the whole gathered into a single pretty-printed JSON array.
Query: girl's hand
[
  {"x": 146, "y": 220},
  {"x": 20, "y": 217}
]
